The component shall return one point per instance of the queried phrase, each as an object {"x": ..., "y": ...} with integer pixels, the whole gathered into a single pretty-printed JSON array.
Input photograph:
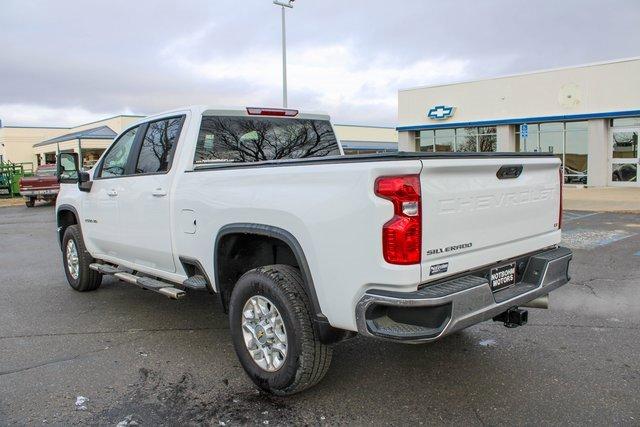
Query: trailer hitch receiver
[{"x": 513, "y": 317}]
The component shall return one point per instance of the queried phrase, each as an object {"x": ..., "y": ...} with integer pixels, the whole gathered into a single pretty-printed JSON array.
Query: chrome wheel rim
[
  {"x": 264, "y": 333},
  {"x": 73, "y": 264}
]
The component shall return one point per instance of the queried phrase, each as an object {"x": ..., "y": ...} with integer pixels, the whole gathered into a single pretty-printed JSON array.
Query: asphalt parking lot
[{"x": 121, "y": 354}]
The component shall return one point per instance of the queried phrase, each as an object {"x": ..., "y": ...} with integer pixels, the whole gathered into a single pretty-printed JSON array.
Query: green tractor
[{"x": 10, "y": 174}]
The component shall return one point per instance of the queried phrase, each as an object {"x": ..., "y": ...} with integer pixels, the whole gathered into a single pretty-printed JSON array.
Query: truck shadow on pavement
[{"x": 219, "y": 393}]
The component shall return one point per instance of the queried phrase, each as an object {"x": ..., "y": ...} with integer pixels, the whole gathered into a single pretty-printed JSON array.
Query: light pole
[{"x": 283, "y": 4}]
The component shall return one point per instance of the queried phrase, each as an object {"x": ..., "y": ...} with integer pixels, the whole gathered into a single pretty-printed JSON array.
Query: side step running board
[
  {"x": 104, "y": 268},
  {"x": 161, "y": 287},
  {"x": 197, "y": 282}
]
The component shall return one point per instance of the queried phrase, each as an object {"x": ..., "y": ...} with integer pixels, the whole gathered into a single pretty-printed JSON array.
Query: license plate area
[{"x": 502, "y": 277}]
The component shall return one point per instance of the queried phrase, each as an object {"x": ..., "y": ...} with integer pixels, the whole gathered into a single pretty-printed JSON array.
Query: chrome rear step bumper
[{"x": 441, "y": 309}]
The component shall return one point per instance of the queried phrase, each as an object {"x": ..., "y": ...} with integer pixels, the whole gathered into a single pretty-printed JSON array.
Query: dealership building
[{"x": 589, "y": 116}]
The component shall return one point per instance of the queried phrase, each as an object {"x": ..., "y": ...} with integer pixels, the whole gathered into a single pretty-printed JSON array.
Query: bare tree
[
  {"x": 253, "y": 140},
  {"x": 159, "y": 141}
]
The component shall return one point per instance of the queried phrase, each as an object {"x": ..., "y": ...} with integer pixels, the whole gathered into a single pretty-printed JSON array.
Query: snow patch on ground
[
  {"x": 583, "y": 238},
  {"x": 80, "y": 403}
]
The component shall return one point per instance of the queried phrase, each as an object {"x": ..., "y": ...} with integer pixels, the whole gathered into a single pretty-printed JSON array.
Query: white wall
[
  {"x": 406, "y": 141},
  {"x": 506, "y": 136},
  {"x": 599, "y": 147},
  {"x": 365, "y": 133},
  {"x": 18, "y": 141}
]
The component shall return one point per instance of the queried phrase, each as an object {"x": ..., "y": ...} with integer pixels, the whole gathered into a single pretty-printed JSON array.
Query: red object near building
[{"x": 43, "y": 185}]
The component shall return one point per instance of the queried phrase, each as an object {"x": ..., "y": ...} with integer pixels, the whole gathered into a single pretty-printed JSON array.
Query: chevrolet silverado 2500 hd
[{"x": 306, "y": 246}]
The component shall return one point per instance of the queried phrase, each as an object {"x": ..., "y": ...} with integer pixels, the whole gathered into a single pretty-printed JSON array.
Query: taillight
[
  {"x": 561, "y": 178},
  {"x": 402, "y": 234},
  {"x": 279, "y": 112}
]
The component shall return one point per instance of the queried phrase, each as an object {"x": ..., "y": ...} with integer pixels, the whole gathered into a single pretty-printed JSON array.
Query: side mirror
[
  {"x": 67, "y": 168},
  {"x": 84, "y": 181},
  {"x": 68, "y": 172}
]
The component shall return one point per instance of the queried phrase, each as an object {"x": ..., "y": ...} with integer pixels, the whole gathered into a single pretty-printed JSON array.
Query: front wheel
[
  {"x": 30, "y": 202},
  {"x": 271, "y": 325},
  {"x": 76, "y": 262}
]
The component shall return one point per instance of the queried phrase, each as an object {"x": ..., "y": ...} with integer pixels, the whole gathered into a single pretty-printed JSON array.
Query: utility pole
[{"x": 283, "y": 4}]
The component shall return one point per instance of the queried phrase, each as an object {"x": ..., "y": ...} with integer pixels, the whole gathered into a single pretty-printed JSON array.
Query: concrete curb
[{"x": 16, "y": 201}]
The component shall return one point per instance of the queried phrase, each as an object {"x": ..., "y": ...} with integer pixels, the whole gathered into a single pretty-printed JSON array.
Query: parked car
[
  {"x": 305, "y": 246},
  {"x": 42, "y": 186}
]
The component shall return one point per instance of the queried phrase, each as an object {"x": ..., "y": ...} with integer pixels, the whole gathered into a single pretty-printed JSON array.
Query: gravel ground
[{"x": 124, "y": 355}]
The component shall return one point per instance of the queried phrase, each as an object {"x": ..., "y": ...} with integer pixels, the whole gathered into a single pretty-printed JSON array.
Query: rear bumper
[
  {"x": 443, "y": 308},
  {"x": 47, "y": 192}
]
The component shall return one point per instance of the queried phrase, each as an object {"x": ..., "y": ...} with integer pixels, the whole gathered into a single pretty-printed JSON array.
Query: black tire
[
  {"x": 30, "y": 202},
  {"x": 87, "y": 279},
  {"x": 307, "y": 359}
]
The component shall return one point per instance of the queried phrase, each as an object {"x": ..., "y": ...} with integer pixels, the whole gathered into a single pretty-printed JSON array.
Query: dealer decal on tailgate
[{"x": 438, "y": 268}]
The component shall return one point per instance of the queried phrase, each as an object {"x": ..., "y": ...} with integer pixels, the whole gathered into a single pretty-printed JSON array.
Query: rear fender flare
[{"x": 277, "y": 233}]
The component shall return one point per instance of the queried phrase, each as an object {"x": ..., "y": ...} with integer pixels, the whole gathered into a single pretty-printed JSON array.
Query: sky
[{"x": 68, "y": 62}]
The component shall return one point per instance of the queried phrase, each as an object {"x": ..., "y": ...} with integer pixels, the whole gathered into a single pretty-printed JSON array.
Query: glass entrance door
[{"x": 625, "y": 159}]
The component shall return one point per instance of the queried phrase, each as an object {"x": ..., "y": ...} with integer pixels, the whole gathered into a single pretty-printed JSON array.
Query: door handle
[
  {"x": 159, "y": 192},
  {"x": 112, "y": 193}
]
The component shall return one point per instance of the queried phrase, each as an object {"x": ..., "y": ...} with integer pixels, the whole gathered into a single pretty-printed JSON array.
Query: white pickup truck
[{"x": 306, "y": 246}]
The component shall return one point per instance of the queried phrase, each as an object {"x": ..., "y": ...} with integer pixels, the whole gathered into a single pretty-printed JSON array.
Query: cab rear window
[{"x": 255, "y": 139}]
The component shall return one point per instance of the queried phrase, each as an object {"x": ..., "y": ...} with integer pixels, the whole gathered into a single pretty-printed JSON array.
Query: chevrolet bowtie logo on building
[{"x": 440, "y": 112}]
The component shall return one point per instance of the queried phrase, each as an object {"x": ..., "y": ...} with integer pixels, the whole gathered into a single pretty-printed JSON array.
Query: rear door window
[
  {"x": 158, "y": 145},
  {"x": 115, "y": 162},
  {"x": 254, "y": 139}
]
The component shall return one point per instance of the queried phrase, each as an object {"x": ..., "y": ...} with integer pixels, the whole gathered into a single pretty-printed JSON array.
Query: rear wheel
[
  {"x": 30, "y": 202},
  {"x": 76, "y": 262},
  {"x": 271, "y": 325}
]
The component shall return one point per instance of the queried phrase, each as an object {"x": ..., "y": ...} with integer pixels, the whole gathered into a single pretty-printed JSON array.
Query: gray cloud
[{"x": 346, "y": 57}]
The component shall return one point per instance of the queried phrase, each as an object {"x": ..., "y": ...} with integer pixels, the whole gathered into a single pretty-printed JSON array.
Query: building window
[
  {"x": 367, "y": 150},
  {"x": 49, "y": 158},
  {"x": 445, "y": 140},
  {"x": 625, "y": 145},
  {"x": 424, "y": 140},
  {"x": 90, "y": 157},
  {"x": 567, "y": 140},
  {"x": 487, "y": 138},
  {"x": 626, "y": 122},
  {"x": 625, "y": 149},
  {"x": 466, "y": 139},
  {"x": 471, "y": 139}
]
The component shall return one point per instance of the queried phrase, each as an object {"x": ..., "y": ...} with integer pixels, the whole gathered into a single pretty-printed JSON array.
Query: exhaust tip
[{"x": 540, "y": 302}]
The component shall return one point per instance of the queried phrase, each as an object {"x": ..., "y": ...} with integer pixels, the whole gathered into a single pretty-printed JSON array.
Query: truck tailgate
[{"x": 472, "y": 218}]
